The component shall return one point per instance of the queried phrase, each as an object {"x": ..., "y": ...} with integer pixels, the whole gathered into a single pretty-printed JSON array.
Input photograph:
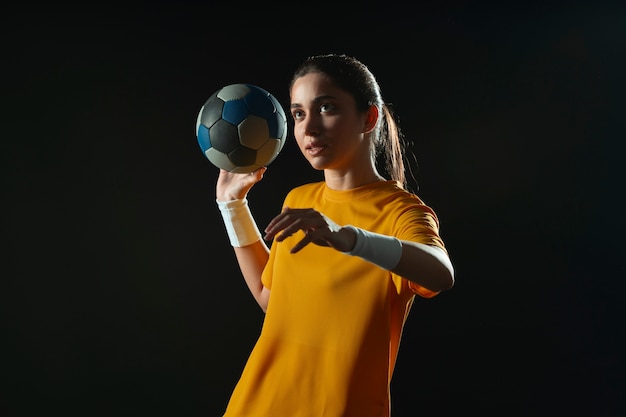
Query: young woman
[{"x": 348, "y": 255}]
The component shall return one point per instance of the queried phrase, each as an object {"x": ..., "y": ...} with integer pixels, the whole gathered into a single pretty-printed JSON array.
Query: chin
[{"x": 318, "y": 165}]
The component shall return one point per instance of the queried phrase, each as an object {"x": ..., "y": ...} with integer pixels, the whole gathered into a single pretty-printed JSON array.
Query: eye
[
  {"x": 326, "y": 107},
  {"x": 297, "y": 114}
]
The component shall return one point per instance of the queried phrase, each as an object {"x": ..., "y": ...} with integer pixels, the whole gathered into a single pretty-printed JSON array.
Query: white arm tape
[
  {"x": 240, "y": 226},
  {"x": 384, "y": 251}
]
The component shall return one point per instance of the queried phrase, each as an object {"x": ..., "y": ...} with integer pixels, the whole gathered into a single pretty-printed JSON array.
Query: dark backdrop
[{"x": 121, "y": 295}]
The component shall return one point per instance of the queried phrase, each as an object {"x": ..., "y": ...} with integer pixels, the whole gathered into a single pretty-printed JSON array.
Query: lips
[{"x": 315, "y": 148}]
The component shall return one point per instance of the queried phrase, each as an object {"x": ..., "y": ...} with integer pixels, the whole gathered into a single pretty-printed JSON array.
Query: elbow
[
  {"x": 446, "y": 276},
  {"x": 262, "y": 304},
  {"x": 263, "y": 298},
  {"x": 441, "y": 280},
  {"x": 427, "y": 266},
  {"x": 443, "y": 273},
  {"x": 448, "y": 279},
  {"x": 438, "y": 278}
]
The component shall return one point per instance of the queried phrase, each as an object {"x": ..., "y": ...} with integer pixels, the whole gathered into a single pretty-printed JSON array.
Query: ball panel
[
  {"x": 203, "y": 137},
  {"x": 253, "y": 132},
  {"x": 246, "y": 169},
  {"x": 277, "y": 106},
  {"x": 219, "y": 159},
  {"x": 268, "y": 152},
  {"x": 222, "y": 161},
  {"x": 259, "y": 104},
  {"x": 278, "y": 123},
  {"x": 277, "y": 126},
  {"x": 235, "y": 111},
  {"x": 211, "y": 111},
  {"x": 233, "y": 92},
  {"x": 224, "y": 136},
  {"x": 199, "y": 118},
  {"x": 242, "y": 156}
]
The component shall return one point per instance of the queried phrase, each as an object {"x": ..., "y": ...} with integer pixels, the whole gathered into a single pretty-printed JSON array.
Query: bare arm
[
  {"x": 428, "y": 266},
  {"x": 252, "y": 258}
]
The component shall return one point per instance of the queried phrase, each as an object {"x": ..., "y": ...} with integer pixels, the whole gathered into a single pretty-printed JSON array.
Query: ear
[{"x": 372, "y": 118}]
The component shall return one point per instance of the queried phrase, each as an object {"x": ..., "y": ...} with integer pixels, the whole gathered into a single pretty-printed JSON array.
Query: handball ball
[{"x": 241, "y": 127}]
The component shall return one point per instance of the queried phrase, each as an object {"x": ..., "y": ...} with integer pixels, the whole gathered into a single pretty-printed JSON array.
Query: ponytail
[{"x": 393, "y": 147}]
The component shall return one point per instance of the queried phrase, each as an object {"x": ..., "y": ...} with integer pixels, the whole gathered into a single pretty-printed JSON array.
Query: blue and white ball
[{"x": 241, "y": 127}]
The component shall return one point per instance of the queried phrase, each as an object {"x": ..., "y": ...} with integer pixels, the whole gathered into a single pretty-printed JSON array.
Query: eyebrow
[{"x": 315, "y": 100}]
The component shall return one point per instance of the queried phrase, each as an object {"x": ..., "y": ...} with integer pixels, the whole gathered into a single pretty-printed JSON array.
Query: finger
[
  {"x": 258, "y": 174},
  {"x": 282, "y": 221},
  {"x": 271, "y": 229},
  {"x": 254, "y": 176},
  {"x": 289, "y": 226},
  {"x": 301, "y": 243}
]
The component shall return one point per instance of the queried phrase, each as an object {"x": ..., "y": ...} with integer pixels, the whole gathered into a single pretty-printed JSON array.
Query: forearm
[
  {"x": 252, "y": 260},
  {"x": 251, "y": 251},
  {"x": 428, "y": 266}
]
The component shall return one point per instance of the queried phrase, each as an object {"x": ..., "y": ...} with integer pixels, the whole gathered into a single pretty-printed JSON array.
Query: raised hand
[{"x": 232, "y": 186}]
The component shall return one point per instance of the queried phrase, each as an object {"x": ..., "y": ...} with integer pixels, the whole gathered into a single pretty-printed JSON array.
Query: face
[{"x": 330, "y": 133}]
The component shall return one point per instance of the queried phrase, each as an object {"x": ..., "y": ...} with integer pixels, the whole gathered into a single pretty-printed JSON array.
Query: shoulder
[
  {"x": 407, "y": 207},
  {"x": 394, "y": 196}
]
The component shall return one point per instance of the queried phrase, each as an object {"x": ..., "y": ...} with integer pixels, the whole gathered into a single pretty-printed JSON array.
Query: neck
[{"x": 336, "y": 180}]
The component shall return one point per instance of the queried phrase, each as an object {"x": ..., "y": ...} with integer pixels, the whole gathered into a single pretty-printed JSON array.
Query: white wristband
[
  {"x": 240, "y": 226},
  {"x": 384, "y": 251}
]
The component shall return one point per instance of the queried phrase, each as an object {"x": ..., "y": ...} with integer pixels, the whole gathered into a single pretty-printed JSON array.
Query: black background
[{"x": 121, "y": 295}]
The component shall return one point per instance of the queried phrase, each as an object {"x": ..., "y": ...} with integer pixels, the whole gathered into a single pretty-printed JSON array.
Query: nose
[{"x": 311, "y": 125}]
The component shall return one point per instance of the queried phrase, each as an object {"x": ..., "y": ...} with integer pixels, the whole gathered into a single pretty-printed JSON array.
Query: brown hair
[{"x": 352, "y": 76}]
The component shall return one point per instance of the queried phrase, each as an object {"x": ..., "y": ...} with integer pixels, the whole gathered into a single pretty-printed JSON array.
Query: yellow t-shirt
[{"x": 332, "y": 328}]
